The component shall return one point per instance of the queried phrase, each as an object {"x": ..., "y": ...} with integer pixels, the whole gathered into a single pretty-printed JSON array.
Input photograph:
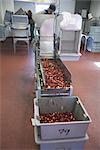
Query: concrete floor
[{"x": 16, "y": 94}]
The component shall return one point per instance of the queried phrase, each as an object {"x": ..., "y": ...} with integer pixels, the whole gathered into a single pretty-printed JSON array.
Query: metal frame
[{"x": 20, "y": 29}]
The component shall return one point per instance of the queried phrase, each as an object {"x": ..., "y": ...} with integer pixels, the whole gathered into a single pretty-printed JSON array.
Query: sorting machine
[
  {"x": 52, "y": 76},
  {"x": 53, "y": 87}
]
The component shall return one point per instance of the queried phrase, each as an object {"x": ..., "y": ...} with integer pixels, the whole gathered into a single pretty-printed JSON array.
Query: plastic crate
[
  {"x": 65, "y": 144},
  {"x": 72, "y": 129}
]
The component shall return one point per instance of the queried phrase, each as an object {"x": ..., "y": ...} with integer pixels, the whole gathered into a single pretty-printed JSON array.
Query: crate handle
[
  {"x": 33, "y": 122},
  {"x": 64, "y": 131},
  {"x": 60, "y": 148},
  {"x": 63, "y": 148}
]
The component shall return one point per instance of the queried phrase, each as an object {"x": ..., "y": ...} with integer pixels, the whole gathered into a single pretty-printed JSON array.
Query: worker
[
  {"x": 50, "y": 10},
  {"x": 32, "y": 24}
]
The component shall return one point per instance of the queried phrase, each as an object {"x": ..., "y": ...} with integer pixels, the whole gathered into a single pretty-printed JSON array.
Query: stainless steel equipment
[
  {"x": 57, "y": 135},
  {"x": 41, "y": 54},
  {"x": 20, "y": 29},
  {"x": 40, "y": 80}
]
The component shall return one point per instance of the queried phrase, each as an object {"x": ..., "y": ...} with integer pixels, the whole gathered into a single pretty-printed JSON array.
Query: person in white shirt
[{"x": 50, "y": 10}]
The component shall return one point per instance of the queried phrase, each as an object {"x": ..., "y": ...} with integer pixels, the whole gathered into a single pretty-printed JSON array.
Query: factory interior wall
[
  {"x": 67, "y": 5},
  {"x": 24, "y": 5},
  {"x": 1, "y": 17},
  {"x": 95, "y": 8},
  {"x": 82, "y": 4},
  {"x": 27, "y": 5},
  {"x": 6, "y": 5}
]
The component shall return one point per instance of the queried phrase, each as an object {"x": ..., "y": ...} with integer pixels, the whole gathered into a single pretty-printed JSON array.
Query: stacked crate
[{"x": 58, "y": 135}]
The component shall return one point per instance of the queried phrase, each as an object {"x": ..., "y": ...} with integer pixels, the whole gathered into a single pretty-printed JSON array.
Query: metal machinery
[
  {"x": 94, "y": 44},
  {"x": 5, "y": 31},
  {"x": 48, "y": 52},
  {"x": 53, "y": 87},
  {"x": 70, "y": 36},
  {"x": 43, "y": 85},
  {"x": 20, "y": 29},
  {"x": 5, "y": 28}
]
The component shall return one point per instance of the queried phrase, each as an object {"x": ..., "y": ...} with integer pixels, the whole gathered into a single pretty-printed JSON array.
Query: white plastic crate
[
  {"x": 65, "y": 144},
  {"x": 72, "y": 129}
]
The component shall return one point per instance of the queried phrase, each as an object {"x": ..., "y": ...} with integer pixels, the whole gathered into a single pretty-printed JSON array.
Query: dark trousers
[{"x": 32, "y": 31}]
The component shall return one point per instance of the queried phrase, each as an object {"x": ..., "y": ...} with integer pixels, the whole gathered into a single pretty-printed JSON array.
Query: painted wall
[
  {"x": 82, "y": 4},
  {"x": 67, "y": 5},
  {"x": 1, "y": 12},
  {"x": 24, "y": 5},
  {"x": 45, "y": 1},
  {"x": 5, "y": 5},
  {"x": 95, "y": 8}
]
